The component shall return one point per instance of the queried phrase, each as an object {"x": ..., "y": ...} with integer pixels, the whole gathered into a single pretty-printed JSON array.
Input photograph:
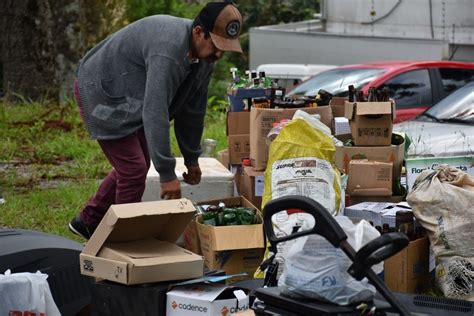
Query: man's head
[{"x": 215, "y": 30}]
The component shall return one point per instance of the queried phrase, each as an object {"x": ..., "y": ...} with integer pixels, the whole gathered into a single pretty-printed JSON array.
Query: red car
[{"x": 414, "y": 85}]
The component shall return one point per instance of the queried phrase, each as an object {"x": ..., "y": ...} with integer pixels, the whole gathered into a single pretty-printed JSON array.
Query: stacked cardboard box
[
  {"x": 375, "y": 161},
  {"x": 238, "y": 136}
]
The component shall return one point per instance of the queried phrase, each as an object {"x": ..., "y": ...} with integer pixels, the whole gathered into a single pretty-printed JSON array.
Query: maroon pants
[{"x": 130, "y": 160}]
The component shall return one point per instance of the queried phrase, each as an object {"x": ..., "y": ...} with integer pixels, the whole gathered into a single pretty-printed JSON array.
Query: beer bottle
[
  {"x": 385, "y": 94},
  {"x": 230, "y": 218},
  {"x": 361, "y": 97},
  {"x": 352, "y": 93},
  {"x": 372, "y": 97},
  {"x": 247, "y": 216},
  {"x": 209, "y": 218}
]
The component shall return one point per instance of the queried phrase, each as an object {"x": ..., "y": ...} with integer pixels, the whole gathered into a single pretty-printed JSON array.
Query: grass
[{"x": 49, "y": 167}]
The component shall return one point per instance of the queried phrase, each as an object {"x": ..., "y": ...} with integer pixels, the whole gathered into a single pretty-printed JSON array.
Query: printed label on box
[{"x": 259, "y": 185}]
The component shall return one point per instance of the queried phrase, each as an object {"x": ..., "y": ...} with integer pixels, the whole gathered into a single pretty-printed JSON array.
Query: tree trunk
[
  {"x": 41, "y": 42},
  {"x": 27, "y": 51},
  {"x": 41, "y": 45}
]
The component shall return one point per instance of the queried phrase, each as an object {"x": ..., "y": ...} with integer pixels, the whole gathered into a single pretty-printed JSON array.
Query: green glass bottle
[
  {"x": 209, "y": 218},
  {"x": 247, "y": 216},
  {"x": 230, "y": 218}
]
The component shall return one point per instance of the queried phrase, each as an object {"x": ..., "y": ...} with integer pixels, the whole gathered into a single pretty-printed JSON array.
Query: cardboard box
[
  {"x": 253, "y": 186},
  {"x": 377, "y": 212},
  {"x": 223, "y": 157},
  {"x": 407, "y": 271},
  {"x": 238, "y": 123},
  {"x": 414, "y": 166},
  {"x": 337, "y": 105},
  {"x": 261, "y": 122},
  {"x": 239, "y": 148},
  {"x": 370, "y": 178},
  {"x": 394, "y": 153},
  {"x": 191, "y": 238},
  {"x": 135, "y": 243},
  {"x": 234, "y": 249},
  {"x": 206, "y": 299},
  {"x": 371, "y": 122},
  {"x": 238, "y": 136}
]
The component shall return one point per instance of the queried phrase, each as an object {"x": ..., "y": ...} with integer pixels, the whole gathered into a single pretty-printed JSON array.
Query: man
[{"x": 132, "y": 84}]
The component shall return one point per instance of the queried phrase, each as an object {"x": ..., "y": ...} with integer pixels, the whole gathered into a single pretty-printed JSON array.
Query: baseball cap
[{"x": 224, "y": 22}]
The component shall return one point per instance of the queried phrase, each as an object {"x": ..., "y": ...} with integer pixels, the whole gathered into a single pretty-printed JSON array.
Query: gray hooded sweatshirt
[{"x": 141, "y": 76}]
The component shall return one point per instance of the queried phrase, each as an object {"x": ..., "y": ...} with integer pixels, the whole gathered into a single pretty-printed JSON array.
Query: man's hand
[
  {"x": 170, "y": 190},
  {"x": 193, "y": 176}
]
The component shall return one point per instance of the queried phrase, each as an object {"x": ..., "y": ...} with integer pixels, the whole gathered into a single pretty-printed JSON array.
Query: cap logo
[{"x": 233, "y": 28}]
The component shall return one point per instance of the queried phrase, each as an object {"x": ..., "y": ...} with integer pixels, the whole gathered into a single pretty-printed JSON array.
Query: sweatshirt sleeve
[
  {"x": 189, "y": 124},
  {"x": 163, "y": 78}
]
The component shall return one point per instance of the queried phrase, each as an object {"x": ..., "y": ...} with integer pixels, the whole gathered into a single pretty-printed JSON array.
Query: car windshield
[
  {"x": 336, "y": 81},
  {"x": 456, "y": 107}
]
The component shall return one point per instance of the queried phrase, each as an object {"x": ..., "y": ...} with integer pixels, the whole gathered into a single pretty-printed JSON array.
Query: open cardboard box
[
  {"x": 371, "y": 122},
  {"x": 234, "y": 249},
  {"x": 135, "y": 243}
]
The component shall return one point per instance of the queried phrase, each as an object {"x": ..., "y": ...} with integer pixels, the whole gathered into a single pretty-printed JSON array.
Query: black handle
[
  {"x": 376, "y": 251},
  {"x": 325, "y": 224}
]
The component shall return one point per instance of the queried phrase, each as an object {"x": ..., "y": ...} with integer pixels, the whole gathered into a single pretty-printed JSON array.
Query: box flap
[
  {"x": 369, "y": 108},
  {"x": 207, "y": 292},
  {"x": 349, "y": 109},
  {"x": 164, "y": 220}
]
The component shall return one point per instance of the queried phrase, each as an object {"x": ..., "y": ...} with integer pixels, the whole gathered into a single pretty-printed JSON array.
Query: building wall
[
  {"x": 448, "y": 20},
  {"x": 276, "y": 46}
]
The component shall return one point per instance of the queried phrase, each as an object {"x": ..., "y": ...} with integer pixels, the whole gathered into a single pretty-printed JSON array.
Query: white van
[{"x": 289, "y": 75}]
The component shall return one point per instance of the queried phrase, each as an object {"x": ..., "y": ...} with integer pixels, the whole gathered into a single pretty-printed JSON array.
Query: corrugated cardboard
[
  {"x": 337, "y": 106},
  {"x": 253, "y": 185},
  {"x": 135, "y": 243},
  {"x": 223, "y": 157},
  {"x": 394, "y": 153},
  {"x": 261, "y": 122},
  {"x": 238, "y": 123},
  {"x": 191, "y": 238},
  {"x": 407, "y": 271},
  {"x": 370, "y": 178},
  {"x": 234, "y": 249},
  {"x": 239, "y": 148},
  {"x": 371, "y": 122},
  {"x": 206, "y": 299}
]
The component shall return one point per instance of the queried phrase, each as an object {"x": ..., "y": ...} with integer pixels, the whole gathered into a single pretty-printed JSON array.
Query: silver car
[{"x": 446, "y": 129}]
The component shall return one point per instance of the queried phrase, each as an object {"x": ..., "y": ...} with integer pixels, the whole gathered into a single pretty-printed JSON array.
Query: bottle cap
[{"x": 246, "y": 162}]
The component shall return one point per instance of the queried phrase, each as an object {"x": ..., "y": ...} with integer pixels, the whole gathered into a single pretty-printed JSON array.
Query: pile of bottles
[
  {"x": 251, "y": 80},
  {"x": 221, "y": 215},
  {"x": 374, "y": 95},
  {"x": 406, "y": 223}
]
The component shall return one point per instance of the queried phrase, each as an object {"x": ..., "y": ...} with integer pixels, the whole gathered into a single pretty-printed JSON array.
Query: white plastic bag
[
  {"x": 23, "y": 293},
  {"x": 315, "y": 269}
]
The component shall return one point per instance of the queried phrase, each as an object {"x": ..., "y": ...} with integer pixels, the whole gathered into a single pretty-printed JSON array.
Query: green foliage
[
  {"x": 137, "y": 9},
  {"x": 49, "y": 167}
]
